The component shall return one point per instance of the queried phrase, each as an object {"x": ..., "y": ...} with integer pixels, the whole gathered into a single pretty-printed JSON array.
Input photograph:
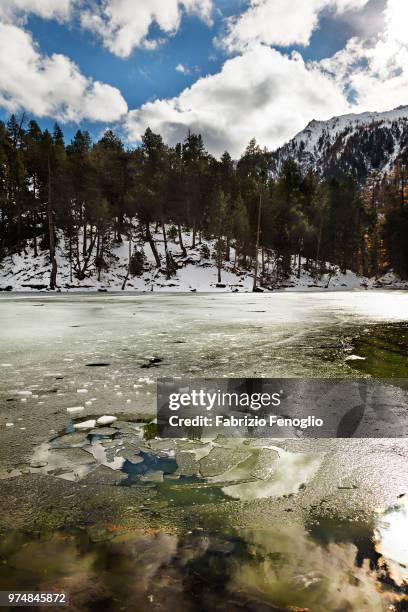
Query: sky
[{"x": 230, "y": 69}]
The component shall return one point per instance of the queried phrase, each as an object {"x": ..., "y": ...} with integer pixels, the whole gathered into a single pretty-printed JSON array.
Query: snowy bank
[{"x": 196, "y": 272}]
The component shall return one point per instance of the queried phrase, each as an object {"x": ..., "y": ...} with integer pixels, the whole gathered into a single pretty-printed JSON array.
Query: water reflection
[
  {"x": 391, "y": 536},
  {"x": 276, "y": 568},
  {"x": 45, "y": 375}
]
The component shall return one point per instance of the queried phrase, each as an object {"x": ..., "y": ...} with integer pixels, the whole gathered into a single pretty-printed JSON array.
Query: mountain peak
[{"x": 356, "y": 143}]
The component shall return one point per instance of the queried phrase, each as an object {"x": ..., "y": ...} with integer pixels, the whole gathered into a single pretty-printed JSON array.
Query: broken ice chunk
[
  {"x": 75, "y": 409},
  {"x": 187, "y": 465},
  {"x": 106, "y": 420},
  {"x": 221, "y": 460},
  {"x": 103, "y": 432},
  {"x": 84, "y": 425},
  {"x": 72, "y": 440},
  {"x": 266, "y": 464}
]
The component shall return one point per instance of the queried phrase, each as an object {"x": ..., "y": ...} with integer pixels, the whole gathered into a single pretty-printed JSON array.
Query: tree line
[{"x": 87, "y": 197}]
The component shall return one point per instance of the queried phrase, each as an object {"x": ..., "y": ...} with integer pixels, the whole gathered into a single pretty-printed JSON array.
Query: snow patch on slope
[
  {"x": 195, "y": 273},
  {"x": 314, "y": 144}
]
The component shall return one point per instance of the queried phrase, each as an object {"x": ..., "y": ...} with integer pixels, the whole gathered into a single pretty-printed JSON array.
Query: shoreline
[{"x": 117, "y": 292}]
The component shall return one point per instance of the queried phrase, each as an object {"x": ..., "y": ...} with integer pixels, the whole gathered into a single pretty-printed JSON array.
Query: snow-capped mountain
[{"x": 350, "y": 144}]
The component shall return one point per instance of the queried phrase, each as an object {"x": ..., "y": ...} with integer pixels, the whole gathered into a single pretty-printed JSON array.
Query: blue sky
[{"x": 260, "y": 67}]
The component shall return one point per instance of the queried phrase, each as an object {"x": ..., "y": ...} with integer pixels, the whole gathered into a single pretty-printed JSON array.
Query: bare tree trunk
[
  {"x": 219, "y": 260},
  {"x": 119, "y": 228},
  {"x": 128, "y": 270},
  {"x": 82, "y": 267},
  {"x": 300, "y": 258},
  {"x": 91, "y": 234},
  {"x": 19, "y": 233},
  {"x": 98, "y": 243},
  {"x": 166, "y": 251},
  {"x": 84, "y": 240},
  {"x": 194, "y": 236},
  {"x": 258, "y": 233},
  {"x": 319, "y": 241},
  {"x": 51, "y": 230},
  {"x": 101, "y": 247},
  {"x": 227, "y": 250},
  {"x": 78, "y": 260},
  {"x": 35, "y": 222},
  {"x": 152, "y": 245},
  {"x": 70, "y": 259},
  {"x": 263, "y": 261},
  {"x": 164, "y": 238},
  {"x": 180, "y": 236},
  {"x": 331, "y": 273}
]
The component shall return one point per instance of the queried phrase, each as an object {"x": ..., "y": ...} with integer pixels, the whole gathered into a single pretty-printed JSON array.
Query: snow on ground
[
  {"x": 195, "y": 272},
  {"x": 391, "y": 280}
]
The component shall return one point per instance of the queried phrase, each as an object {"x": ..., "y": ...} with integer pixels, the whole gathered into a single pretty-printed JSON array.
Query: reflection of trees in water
[{"x": 281, "y": 566}]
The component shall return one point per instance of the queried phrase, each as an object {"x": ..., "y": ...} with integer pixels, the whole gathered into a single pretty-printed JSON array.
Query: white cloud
[
  {"x": 268, "y": 95},
  {"x": 10, "y": 10},
  {"x": 375, "y": 71},
  {"x": 396, "y": 15},
  {"x": 281, "y": 22},
  {"x": 261, "y": 93},
  {"x": 183, "y": 69},
  {"x": 124, "y": 25},
  {"x": 51, "y": 85}
]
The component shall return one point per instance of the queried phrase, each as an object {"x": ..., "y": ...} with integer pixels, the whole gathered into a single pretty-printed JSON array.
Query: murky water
[
  {"x": 132, "y": 522},
  {"x": 384, "y": 351}
]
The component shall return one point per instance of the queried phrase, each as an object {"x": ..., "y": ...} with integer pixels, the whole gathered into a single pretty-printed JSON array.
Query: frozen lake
[
  {"x": 45, "y": 338},
  {"x": 101, "y": 354}
]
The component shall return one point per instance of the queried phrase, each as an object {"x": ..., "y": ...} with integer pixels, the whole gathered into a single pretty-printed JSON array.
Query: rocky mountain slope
[{"x": 356, "y": 143}]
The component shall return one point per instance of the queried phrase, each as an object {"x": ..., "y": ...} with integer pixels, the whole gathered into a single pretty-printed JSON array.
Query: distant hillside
[{"x": 350, "y": 144}]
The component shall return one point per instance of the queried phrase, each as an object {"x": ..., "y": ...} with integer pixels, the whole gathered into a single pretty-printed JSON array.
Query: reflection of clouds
[
  {"x": 391, "y": 537},
  {"x": 289, "y": 568},
  {"x": 85, "y": 572},
  {"x": 291, "y": 471},
  {"x": 281, "y": 566},
  {"x": 143, "y": 555}
]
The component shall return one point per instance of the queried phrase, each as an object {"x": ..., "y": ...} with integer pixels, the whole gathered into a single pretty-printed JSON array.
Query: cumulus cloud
[
  {"x": 281, "y": 22},
  {"x": 396, "y": 15},
  {"x": 51, "y": 86},
  {"x": 269, "y": 95},
  {"x": 261, "y": 93},
  {"x": 10, "y": 10},
  {"x": 374, "y": 72},
  {"x": 124, "y": 25}
]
